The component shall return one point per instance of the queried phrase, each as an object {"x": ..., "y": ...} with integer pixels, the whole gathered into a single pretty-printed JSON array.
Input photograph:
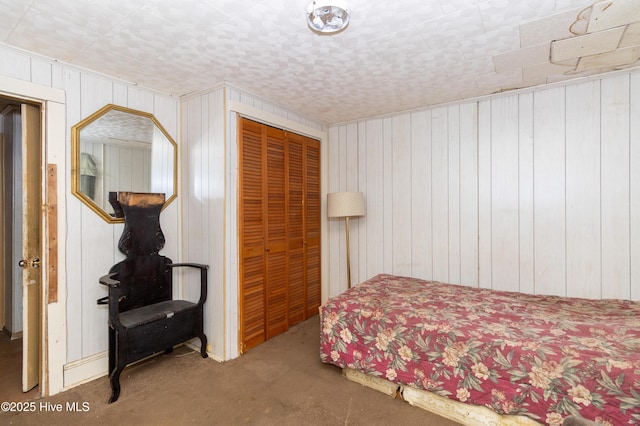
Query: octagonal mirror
[{"x": 120, "y": 149}]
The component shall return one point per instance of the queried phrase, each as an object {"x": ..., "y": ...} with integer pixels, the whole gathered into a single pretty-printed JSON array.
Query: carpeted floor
[
  {"x": 281, "y": 382},
  {"x": 11, "y": 371}
]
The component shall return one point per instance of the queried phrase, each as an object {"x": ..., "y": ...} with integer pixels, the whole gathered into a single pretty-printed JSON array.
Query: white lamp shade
[{"x": 345, "y": 204}]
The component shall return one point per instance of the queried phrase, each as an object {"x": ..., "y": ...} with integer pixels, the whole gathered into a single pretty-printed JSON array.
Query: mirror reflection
[{"x": 120, "y": 149}]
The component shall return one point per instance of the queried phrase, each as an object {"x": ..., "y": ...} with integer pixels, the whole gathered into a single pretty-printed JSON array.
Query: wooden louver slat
[
  {"x": 296, "y": 230},
  {"x": 252, "y": 324},
  {"x": 276, "y": 226},
  {"x": 312, "y": 225}
]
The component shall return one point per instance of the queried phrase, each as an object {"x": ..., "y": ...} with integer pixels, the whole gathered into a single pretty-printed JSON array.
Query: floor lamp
[{"x": 346, "y": 204}]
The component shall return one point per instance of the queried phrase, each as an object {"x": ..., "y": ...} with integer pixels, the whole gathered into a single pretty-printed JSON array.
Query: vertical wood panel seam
[
  {"x": 391, "y": 130},
  {"x": 477, "y": 103},
  {"x": 81, "y": 263},
  {"x": 362, "y": 254},
  {"x": 519, "y": 242},
  {"x": 531, "y": 167},
  {"x": 410, "y": 143},
  {"x": 600, "y": 136},
  {"x": 533, "y": 186},
  {"x": 630, "y": 92},
  {"x": 566, "y": 256},
  {"x": 459, "y": 196},
  {"x": 431, "y": 192},
  {"x": 449, "y": 166},
  {"x": 490, "y": 184}
]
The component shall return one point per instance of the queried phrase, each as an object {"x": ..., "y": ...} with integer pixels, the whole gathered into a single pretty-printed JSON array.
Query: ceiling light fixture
[{"x": 327, "y": 17}]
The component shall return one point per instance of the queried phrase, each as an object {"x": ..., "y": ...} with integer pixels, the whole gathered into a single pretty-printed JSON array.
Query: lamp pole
[{"x": 348, "y": 260}]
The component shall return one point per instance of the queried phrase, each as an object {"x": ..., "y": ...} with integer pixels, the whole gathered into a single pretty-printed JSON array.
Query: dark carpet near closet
[{"x": 281, "y": 382}]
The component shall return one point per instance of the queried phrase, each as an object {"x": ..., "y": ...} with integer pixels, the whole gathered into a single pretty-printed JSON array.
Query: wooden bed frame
[{"x": 471, "y": 415}]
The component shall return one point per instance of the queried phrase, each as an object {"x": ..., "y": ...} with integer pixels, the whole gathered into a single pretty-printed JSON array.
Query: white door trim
[
  {"x": 232, "y": 298},
  {"x": 53, "y": 315}
]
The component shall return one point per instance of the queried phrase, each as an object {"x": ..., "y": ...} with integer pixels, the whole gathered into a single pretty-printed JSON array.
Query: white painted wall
[
  {"x": 94, "y": 241},
  {"x": 209, "y": 186},
  {"x": 202, "y": 171},
  {"x": 534, "y": 191},
  {"x": 89, "y": 240}
]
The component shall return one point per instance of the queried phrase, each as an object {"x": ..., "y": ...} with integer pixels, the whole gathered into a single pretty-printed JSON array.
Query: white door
[{"x": 31, "y": 272}]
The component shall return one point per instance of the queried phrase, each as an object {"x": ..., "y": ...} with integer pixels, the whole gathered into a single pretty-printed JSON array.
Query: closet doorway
[
  {"x": 20, "y": 277},
  {"x": 279, "y": 227}
]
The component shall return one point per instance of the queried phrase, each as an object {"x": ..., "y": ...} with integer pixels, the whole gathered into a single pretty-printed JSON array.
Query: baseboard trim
[
  {"x": 93, "y": 367},
  {"x": 12, "y": 336},
  {"x": 85, "y": 370}
]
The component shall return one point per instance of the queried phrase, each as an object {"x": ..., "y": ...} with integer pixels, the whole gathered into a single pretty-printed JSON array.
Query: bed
[{"x": 526, "y": 357}]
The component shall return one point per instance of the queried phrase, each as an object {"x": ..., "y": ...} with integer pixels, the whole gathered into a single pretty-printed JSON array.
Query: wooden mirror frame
[{"x": 76, "y": 187}]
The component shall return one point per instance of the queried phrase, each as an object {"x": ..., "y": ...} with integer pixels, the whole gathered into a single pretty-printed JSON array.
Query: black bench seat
[{"x": 144, "y": 318}]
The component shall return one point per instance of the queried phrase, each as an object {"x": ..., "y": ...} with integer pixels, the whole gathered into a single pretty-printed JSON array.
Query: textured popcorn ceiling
[{"x": 394, "y": 56}]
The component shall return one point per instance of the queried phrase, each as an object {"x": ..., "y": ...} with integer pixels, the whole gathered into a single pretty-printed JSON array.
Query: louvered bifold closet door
[
  {"x": 279, "y": 231},
  {"x": 312, "y": 225},
  {"x": 297, "y": 280},
  {"x": 276, "y": 246},
  {"x": 252, "y": 239}
]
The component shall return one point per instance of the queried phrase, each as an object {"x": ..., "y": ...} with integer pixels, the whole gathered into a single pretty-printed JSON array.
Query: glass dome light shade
[{"x": 327, "y": 16}]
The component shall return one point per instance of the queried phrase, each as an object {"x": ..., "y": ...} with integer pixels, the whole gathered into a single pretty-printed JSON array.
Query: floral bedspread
[{"x": 544, "y": 357}]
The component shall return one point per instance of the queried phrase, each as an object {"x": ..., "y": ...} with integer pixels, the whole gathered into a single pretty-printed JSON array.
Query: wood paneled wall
[
  {"x": 202, "y": 170},
  {"x": 91, "y": 243},
  {"x": 98, "y": 240},
  {"x": 536, "y": 191},
  {"x": 209, "y": 173}
]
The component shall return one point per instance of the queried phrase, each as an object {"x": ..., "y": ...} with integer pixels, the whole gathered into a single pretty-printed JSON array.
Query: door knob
[{"x": 25, "y": 263}]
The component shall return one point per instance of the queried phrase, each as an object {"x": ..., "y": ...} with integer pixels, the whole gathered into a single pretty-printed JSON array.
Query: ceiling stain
[{"x": 605, "y": 38}]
